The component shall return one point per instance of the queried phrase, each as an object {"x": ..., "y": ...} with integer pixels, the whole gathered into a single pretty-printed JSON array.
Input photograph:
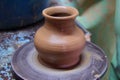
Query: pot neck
[
  {"x": 60, "y": 18},
  {"x": 65, "y": 26}
]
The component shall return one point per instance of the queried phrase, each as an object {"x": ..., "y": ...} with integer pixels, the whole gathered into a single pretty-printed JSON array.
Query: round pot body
[
  {"x": 19, "y": 13},
  {"x": 59, "y": 41}
]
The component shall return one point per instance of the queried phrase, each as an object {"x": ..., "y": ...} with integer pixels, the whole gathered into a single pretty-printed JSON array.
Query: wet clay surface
[
  {"x": 92, "y": 66},
  {"x": 59, "y": 41}
]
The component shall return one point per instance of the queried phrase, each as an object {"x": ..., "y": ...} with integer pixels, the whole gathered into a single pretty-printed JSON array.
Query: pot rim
[{"x": 48, "y": 12}]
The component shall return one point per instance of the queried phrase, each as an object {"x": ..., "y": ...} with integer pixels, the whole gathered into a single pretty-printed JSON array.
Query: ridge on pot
[{"x": 59, "y": 41}]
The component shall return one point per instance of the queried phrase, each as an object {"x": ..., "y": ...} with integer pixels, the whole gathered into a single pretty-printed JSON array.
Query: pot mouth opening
[{"x": 60, "y": 12}]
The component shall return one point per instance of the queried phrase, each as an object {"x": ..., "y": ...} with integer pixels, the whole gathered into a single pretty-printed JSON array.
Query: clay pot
[{"x": 59, "y": 41}]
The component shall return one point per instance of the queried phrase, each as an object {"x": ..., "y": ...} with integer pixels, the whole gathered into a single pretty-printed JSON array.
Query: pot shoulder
[{"x": 48, "y": 39}]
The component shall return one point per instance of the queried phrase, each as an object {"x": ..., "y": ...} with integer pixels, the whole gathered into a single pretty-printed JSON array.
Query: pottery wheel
[{"x": 26, "y": 65}]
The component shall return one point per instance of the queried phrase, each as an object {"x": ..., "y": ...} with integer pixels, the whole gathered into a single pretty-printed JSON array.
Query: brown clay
[{"x": 59, "y": 41}]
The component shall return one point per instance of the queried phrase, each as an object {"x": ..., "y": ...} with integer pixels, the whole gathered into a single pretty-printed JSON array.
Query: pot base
[
  {"x": 57, "y": 66},
  {"x": 27, "y": 66}
]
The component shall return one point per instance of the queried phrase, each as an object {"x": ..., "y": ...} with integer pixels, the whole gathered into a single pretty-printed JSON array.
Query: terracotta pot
[{"x": 59, "y": 41}]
